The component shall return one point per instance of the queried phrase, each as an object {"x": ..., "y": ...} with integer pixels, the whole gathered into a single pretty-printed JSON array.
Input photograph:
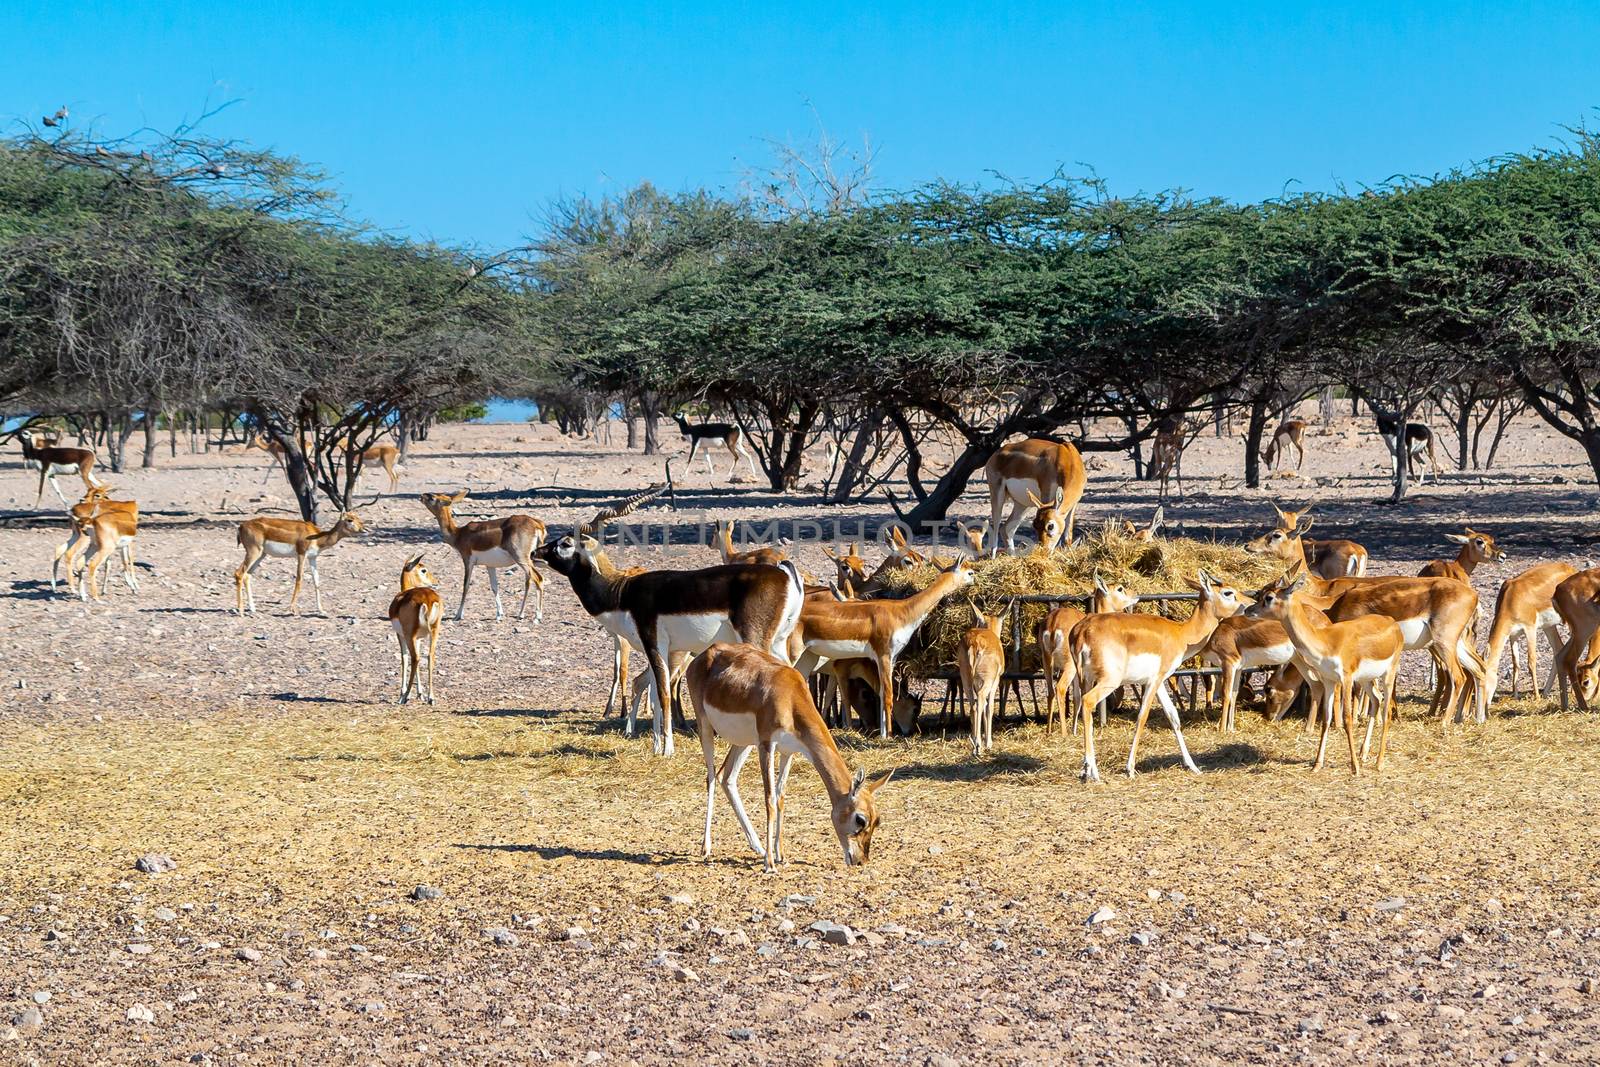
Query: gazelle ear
[
  {"x": 1099, "y": 583},
  {"x": 413, "y": 561},
  {"x": 1459, "y": 539},
  {"x": 861, "y": 776},
  {"x": 589, "y": 543},
  {"x": 978, "y": 615},
  {"x": 1033, "y": 498},
  {"x": 456, "y": 498},
  {"x": 1282, "y": 515},
  {"x": 880, "y": 781},
  {"x": 1061, "y": 498},
  {"x": 1303, "y": 526},
  {"x": 1157, "y": 519}
]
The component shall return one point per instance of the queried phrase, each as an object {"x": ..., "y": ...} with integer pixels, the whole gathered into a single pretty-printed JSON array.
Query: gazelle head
[
  {"x": 1111, "y": 598},
  {"x": 1221, "y": 600},
  {"x": 1589, "y": 680},
  {"x": 441, "y": 503},
  {"x": 350, "y": 523},
  {"x": 1145, "y": 534},
  {"x": 1480, "y": 544},
  {"x": 415, "y": 574},
  {"x": 855, "y": 817},
  {"x": 972, "y": 539},
  {"x": 1283, "y": 542},
  {"x": 569, "y": 555},
  {"x": 964, "y": 575},
  {"x": 851, "y": 567},
  {"x": 96, "y": 493},
  {"x": 1272, "y": 600},
  {"x": 993, "y": 623},
  {"x": 1050, "y": 520}
]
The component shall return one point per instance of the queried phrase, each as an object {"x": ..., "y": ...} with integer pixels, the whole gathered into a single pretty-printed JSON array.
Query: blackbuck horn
[{"x": 620, "y": 509}]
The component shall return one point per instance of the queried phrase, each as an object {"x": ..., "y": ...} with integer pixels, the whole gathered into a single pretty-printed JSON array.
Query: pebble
[
  {"x": 797, "y": 900},
  {"x": 935, "y": 850},
  {"x": 833, "y": 933},
  {"x": 140, "y": 950},
  {"x": 594, "y": 1056},
  {"x": 1511, "y": 1057},
  {"x": 317, "y": 953},
  {"x": 736, "y": 938},
  {"x": 786, "y": 926},
  {"x": 998, "y": 945},
  {"x": 933, "y": 942},
  {"x": 42, "y": 997},
  {"x": 766, "y": 949},
  {"x": 1388, "y": 1017},
  {"x": 1449, "y": 1011},
  {"x": 249, "y": 955},
  {"x": 1492, "y": 906},
  {"x": 1311, "y": 1024},
  {"x": 1586, "y": 985},
  {"x": 682, "y": 973},
  {"x": 1392, "y": 904},
  {"x": 425, "y": 892},
  {"x": 154, "y": 863},
  {"x": 1487, "y": 992},
  {"x": 372, "y": 1007},
  {"x": 166, "y": 915},
  {"x": 939, "y": 1059},
  {"x": 742, "y": 1034},
  {"x": 1101, "y": 914},
  {"x": 574, "y": 933},
  {"x": 28, "y": 1019},
  {"x": 683, "y": 899},
  {"x": 141, "y": 1014},
  {"x": 501, "y": 936},
  {"x": 1144, "y": 938}
]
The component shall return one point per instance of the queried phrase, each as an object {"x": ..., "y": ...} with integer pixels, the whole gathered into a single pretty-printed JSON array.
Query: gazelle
[
  {"x": 662, "y": 612},
  {"x": 619, "y": 677},
  {"x": 262, "y": 537},
  {"x": 415, "y": 616},
  {"x": 1359, "y": 653},
  {"x": 94, "y": 501},
  {"x": 1476, "y": 547},
  {"x": 1239, "y": 645},
  {"x": 271, "y": 448},
  {"x": 1147, "y": 533},
  {"x": 1290, "y": 433},
  {"x": 1577, "y": 601},
  {"x": 725, "y": 434},
  {"x": 875, "y": 629},
  {"x": 852, "y": 568},
  {"x": 763, "y": 554},
  {"x": 387, "y": 456},
  {"x": 106, "y": 532},
  {"x": 1166, "y": 454},
  {"x": 754, "y": 700},
  {"x": 1046, "y": 475},
  {"x": 981, "y": 661},
  {"x": 491, "y": 544},
  {"x": 1115, "y": 650},
  {"x": 1323, "y": 559},
  {"x": 51, "y": 460},
  {"x": 972, "y": 540},
  {"x": 1060, "y": 671},
  {"x": 1525, "y": 606},
  {"x": 1418, "y": 446}
]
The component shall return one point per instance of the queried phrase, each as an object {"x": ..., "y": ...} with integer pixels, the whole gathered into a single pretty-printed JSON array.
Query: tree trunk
[
  {"x": 931, "y": 510},
  {"x": 650, "y": 404},
  {"x": 852, "y": 474},
  {"x": 1252, "y": 440},
  {"x": 149, "y": 459},
  {"x": 1463, "y": 435}
]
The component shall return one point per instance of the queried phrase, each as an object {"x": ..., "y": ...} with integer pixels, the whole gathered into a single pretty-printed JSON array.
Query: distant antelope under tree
[
  {"x": 51, "y": 460},
  {"x": 726, "y": 434}
]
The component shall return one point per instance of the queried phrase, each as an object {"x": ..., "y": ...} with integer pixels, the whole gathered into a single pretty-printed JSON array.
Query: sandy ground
[{"x": 1445, "y": 909}]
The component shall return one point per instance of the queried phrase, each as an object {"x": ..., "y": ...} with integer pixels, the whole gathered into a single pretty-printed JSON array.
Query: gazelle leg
[
  {"x": 127, "y": 568},
  {"x": 1329, "y": 692},
  {"x": 466, "y": 584},
  {"x": 885, "y": 693},
  {"x": 316, "y": 585},
  {"x": 1349, "y": 723},
  {"x": 494, "y": 587},
  {"x": 1086, "y": 706},
  {"x": 57, "y": 487},
  {"x": 709, "y": 754},
  {"x": 433, "y": 654},
  {"x": 1177, "y": 726},
  {"x": 1147, "y": 700},
  {"x": 299, "y": 574},
  {"x": 784, "y": 763},
  {"x": 769, "y": 787},
  {"x": 1387, "y": 709}
]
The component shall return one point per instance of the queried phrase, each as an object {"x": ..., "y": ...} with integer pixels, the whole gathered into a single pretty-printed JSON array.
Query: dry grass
[{"x": 1166, "y": 565}]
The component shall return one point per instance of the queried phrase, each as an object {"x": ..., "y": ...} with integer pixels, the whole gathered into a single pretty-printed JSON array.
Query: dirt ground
[{"x": 1445, "y": 909}]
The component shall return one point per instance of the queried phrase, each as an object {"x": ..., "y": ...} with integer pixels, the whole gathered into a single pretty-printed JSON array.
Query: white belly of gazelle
[
  {"x": 740, "y": 730},
  {"x": 283, "y": 548},
  {"x": 493, "y": 557}
]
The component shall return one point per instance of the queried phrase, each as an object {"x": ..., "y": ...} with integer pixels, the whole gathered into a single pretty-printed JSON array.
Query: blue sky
[{"x": 462, "y": 125}]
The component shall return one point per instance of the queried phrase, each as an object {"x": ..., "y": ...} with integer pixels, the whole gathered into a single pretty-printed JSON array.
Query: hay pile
[{"x": 1162, "y": 566}]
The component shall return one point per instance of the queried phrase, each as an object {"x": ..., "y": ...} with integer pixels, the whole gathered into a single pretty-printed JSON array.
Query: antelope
[
  {"x": 262, "y": 537},
  {"x": 971, "y": 539},
  {"x": 1360, "y": 652},
  {"x": 875, "y": 629},
  {"x": 852, "y": 568},
  {"x": 981, "y": 660},
  {"x": 763, "y": 554},
  {"x": 1290, "y": 432},
  {"x": 663, "y": 612},
  {"x": 731, "y": 437},
  {"x": 388, "y": 456},
  {"x": 1044, "y": 474},
  {"x": 1476, "y": 547},
  {"x": 491, "y": 544},
  {"x": 106, "y": 531},
  {"x": 1166, "y": 454},
  {"x": 1145, "y": 534},
  {"x": 273, "y": 449},
  {"x": 1525, "y": 605},
  {"x": 1060, "y": 672},
  {"x": 51, "y": 460},
  {"x": 415, "y": 615},
  {"x": 754, "y": 700},
  {"x": 94, "y": 500},
  {"x": 1240, "y": 644},
  {"x": 1323, "y": 559},
  {"x": 1418, "y": 448},
  {"x": 1115, "y": 650},
  {"x": 1577, "y": 601},
  {"x": 617, "y": 694}
]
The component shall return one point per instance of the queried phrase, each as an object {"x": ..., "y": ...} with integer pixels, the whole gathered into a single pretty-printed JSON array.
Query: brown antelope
[
  {"x": 262, "y": 537},
  {"x": 273, "y": 449},
  {"x": 1047, "y": 475},
  {"x": 1147, "y": 533},
  {"x": 387, "y": 456},
  {"x": 1115, "y": 650},
  {"x": 1239, "y": 645},
  {"x": 663, "y": 612},
  {"x": 1290, "y": 433},
  {"x": 1525, "y": 606},
  {"x": 415, "y": 615},
  {"x": 1324, "y": 559},
  {"x": 1476, "y": 547},
  {"x": 754, "y": 700},
  {"x": 1577, "y": 601},
  {"x": 972, "y": 539},
  {"x": 763, "y": 554},
  {"x": 852, "y": 568},
  {"x": 1060, "y": 672},
  {"x": 1166, "y": 454},
  {"x": 875, "y": 629},
  {"x": 1359, "y": 653},
  {"x": 51, "y": 460},
  {"x": 94, "y": 501},
  {"x": 491, "y": 544},
  {"x": 981, "y": 661},
  {"x": 106, "y": 532},
  {"x": 729, "y": 436}
]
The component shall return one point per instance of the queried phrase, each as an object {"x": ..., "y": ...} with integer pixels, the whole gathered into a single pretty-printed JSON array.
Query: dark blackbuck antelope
[
  {"x": 709, "y": 433},
  {"x": 1418, "y": 447}
]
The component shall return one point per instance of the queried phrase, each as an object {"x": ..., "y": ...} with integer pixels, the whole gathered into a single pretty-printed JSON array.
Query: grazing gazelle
[
  {"x": 1060, "y": 673},
  {"x": 1323, "y": 559},
  {"x": 262, "y": 537},
  {"x": 755, "y": 700},
  {"x": 95, "y": 500},
  {"x": 491, "y": 544},
  {"x": 1046, "y": 475},
  {"x": 1526, "y": 606},
  {"x": 51, "y": 460},
  {"x": 106, "y": 532},
  {"x": 1115, "y": 650},
  {"x": 664, "y": 612},
  {"x": 1290, "y": 433},
  {"x": 763, "y": 554},
  {"x": 981, "y": 661},
  {"x": 1577, "y": 601},
  {"x": 415, "y": 615},
  {"x": 1476, "y": 547},
  {"x": 1239, "y": 645},
  {"x": 726, "y": 434},
  {"x": 872, "y": 629},
  {"x": 1359, "y": 654}
]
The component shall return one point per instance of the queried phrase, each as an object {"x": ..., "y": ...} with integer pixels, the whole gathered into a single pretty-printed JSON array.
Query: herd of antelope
[{"x": 748, "y": 636}]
